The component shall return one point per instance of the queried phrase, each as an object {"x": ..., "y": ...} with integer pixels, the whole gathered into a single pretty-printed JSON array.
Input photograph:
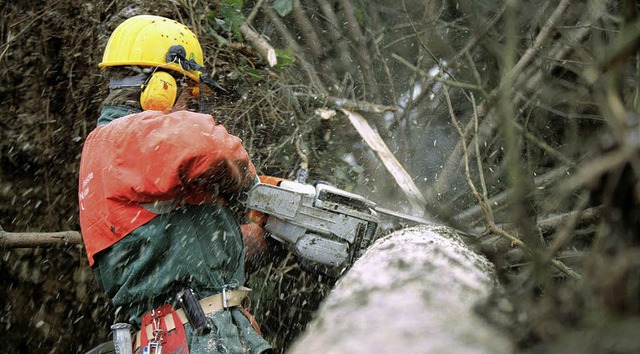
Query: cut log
[
  {"x": 413, "y": 291},
  {"x": 259, "y": 44}
]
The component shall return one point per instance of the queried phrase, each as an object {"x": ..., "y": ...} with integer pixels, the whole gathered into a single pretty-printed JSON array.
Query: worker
[{"x": 154, "y": 182}]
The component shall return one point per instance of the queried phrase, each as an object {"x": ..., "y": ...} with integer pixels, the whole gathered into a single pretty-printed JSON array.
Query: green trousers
[{"x": 199, "y": 247}]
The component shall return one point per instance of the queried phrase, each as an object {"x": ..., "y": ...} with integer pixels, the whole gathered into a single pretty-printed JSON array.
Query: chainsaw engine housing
[{"x": 326, "y": 226}]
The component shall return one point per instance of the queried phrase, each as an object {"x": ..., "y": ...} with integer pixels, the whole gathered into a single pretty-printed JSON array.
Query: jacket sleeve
[{"x": 161, "y": 156}]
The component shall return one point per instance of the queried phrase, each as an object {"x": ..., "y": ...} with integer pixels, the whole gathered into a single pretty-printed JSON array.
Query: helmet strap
[{"x": 201, "y": 101}]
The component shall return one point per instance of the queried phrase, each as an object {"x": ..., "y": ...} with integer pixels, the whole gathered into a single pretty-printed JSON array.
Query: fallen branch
[
  {"x": 588, "y": 217},
  {"x": 38, "y": 239},
  {"x": 494, "y": 229},
  {"x": 258, "y": 43}
]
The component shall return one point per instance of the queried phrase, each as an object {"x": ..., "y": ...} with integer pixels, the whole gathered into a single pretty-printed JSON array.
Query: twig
[
  {"x": 473, "y": 41},
  {"x": 254, "y": 11},
  {"x": 486, "y": 209},
  {"x": 425, "y": 75},
  {"x": 363, "y": 57},
  {"x": 352, "y": 22},
  {"x": 387, "y": 72},
  {"x": 306, "y": 30},
  {"x": 526, "y": 81},
  {"x": 490, "y": 225},
  {"x": 541, "y": 38},
  {"x": 483, "y": 184},
  {"x": 312, "y": 43},
  {"x": 412, "y": 100},
  {"x": 592, "y": 170},
  {"x": 578, "y": 221},
  {"x": 37, "y": 16},
  {"x": 518, "y": 180},
  {"x": 336, "y": 35},
  {"x": 257, "y": 41},
  {"x": 580, "y": 218},
  {"x": 519, "y": 243}
]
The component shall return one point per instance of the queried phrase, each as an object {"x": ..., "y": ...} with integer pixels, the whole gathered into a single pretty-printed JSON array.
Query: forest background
[{"x": 517, "y": 122}]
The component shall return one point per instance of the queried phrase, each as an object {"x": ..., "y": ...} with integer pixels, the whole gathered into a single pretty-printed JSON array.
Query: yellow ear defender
[{"x": 159, "y": 92}]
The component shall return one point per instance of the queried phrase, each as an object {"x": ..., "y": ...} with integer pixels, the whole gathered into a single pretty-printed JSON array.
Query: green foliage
[
  {"x": 285, "y": 58},
  {"x": 229, "y": 17},
  {"x": 255, "y": 74}
]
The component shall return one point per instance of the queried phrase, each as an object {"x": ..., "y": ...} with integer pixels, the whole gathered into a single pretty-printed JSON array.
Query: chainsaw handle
[{"x": 256, "y": 216}]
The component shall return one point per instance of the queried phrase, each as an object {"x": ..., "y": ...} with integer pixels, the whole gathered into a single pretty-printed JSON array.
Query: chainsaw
[{"x": 327, "y": 228}]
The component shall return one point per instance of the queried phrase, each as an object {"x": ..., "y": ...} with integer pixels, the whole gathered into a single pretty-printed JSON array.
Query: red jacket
[{"x": 152, "y": 156}]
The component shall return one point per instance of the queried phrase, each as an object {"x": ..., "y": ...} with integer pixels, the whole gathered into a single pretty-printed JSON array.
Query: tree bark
[{"x": 413, "y": 291}]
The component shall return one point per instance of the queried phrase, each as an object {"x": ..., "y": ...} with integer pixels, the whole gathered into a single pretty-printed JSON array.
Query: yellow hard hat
[{"x": 148, "y": 40}]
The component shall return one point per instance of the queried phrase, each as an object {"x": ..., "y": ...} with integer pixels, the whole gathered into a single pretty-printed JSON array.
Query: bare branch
[
  {"x": 541, "y": 38},
  {"x": 292, "y": 43},
  {"x": 312, "y": 41},
  {"x": 486, "y": 208},
  {"x": 499, "y": 201}
]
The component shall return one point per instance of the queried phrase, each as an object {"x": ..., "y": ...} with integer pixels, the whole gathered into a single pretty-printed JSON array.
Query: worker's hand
[
  {"x": 255, "y": 240},
  {"x": 259, "y": 247},
  {"x": 257, "y": 217},
  {"x": 255, "y": 243}
]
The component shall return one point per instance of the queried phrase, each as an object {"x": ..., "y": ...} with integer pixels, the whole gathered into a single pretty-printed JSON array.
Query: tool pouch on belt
[
  {"x": 169, "y": 331},
  {"x": 194, "y": 312}
]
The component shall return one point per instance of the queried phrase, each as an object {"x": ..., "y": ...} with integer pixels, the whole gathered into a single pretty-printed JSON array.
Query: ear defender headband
[{"x": 159, "y": 92}]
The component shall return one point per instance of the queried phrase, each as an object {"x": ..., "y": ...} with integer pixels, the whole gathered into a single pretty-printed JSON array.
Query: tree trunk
[{"x": 413, "y": 291}]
